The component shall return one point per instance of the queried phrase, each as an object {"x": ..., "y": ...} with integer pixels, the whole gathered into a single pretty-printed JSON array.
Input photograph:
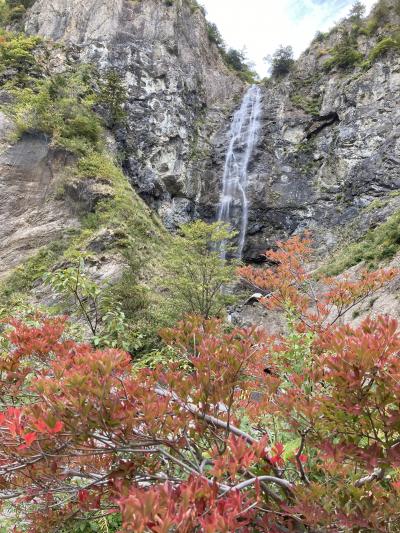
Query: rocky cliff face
[
  {"x": 178, "y": 88},
  {"x": 328, "y": 154},
  {"x": 329, "y": 147},
  {"x": 31, "y": 215}
]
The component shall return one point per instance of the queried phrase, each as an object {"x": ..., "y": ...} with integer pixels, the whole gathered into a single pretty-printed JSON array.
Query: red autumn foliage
[
  {"x": 217, "y": 444},
  {"x": 290, "y": 285}
]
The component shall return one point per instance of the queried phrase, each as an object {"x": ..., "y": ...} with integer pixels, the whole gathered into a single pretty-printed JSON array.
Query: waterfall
[{"x": 234, "y": 206}]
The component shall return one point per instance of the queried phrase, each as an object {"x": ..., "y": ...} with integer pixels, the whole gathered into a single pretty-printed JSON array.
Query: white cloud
[{"x": 262, "y": 25}]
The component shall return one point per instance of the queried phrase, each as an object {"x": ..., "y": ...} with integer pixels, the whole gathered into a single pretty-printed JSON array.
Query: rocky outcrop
[
  {"x": 179, "y": 90},
  {"x": 31, "y": 214},
  {"x": 329, "y": 144},
  {"x": 320, "y": 169}
]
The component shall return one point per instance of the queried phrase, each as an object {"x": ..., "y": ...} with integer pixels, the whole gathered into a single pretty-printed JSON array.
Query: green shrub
[
  {"x": 214, "y": 35},
  {"x": 311, "y": 105},
  {"x": 196, "y": 274},
  {"x": 320, "y": 37},
  {"x": 236, "y": 60},
  {"x": 17, "y": 54},
  {"x": 24, "y": 276},
  {"x": 379, "y": 244},
  {"x": 98, "y": 165},
  {"x": 112, "y": 96},
  {"x": 76, "y": 125},
  {"x": 106, "y": 524},
  {"x": 344, "y": 55},
  {"x": 384, "y": 45},
  {"x": 370, "y": 27},
  {"x": 62, "y": 107},
  {"x": 13, "y": 10}
]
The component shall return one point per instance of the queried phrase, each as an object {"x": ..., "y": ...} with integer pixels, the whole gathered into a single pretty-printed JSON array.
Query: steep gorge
[
  {"x": 120, "y": 121},
  {"x": 327, "y": 155},
  {"x": 178, "y": 89}
]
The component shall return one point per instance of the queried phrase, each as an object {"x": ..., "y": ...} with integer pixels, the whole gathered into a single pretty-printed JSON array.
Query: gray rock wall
[
  {"x": 314, "y": 169},
  {"x": 31, "y": 214},
  {"x": 179, "y": 90},
  {"x": 320, "y": 168}
]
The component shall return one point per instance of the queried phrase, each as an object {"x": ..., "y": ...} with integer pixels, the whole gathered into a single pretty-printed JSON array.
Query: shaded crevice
[{"x": 319, "y": 123}]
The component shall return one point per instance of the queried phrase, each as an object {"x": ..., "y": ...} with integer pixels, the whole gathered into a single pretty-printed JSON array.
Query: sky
[{"x": 262, "y": 25}]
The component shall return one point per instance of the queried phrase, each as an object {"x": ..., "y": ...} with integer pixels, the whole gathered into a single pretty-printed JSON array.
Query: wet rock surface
[
  {"x": 179, "y": 91},
  {"x": 316, "y": 166},
  {"x": 319, "y": 172}
]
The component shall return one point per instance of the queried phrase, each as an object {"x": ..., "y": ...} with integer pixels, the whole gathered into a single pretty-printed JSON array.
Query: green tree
[
  {"x": 197, "y": 274},
  {"x": 236, "y": 59},
  {"x": 281, "y": 61},
  {"x": 99, "y": 307},
  {"x": 357, "y": 11},
  {"x": 112, "y": 97},
  {"x": 214, "y": 35}
]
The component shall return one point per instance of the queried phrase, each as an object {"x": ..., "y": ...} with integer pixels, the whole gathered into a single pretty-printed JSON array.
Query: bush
[
  {"x": 214, "y": 35},
  {"x": 17, "y": 55},
  {"x": 98, "y": 307},
  {"x": 236, "y": 60},
  {"x": 98, "y": 165},
  {"x": 243, "y": 430},
  {"x": 379, "y": 244},
  {"x": 13, "y": 10},
  {"x": 344, "y": 55},
  {"x": 311, "y": 105},
  {"x": 62, "y": 107},
  {"x": 24, "y": 276},
  {"x": 320, "y": 37},
  {"x": 384, "y": 45},
  {"x": 112, "y": 97},
  {"x": 196, "y": 272}
]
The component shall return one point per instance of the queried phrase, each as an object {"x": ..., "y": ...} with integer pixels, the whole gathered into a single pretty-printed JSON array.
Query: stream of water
[{"x": 243, "y": 137}]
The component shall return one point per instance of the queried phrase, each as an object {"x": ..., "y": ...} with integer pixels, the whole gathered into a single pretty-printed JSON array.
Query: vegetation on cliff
[
  {"x": 377, "y": 245},
  {"x": 63, "y": 106}
]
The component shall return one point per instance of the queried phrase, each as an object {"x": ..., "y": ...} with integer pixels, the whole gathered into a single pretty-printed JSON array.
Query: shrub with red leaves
[{"x": 217, "y": 444}]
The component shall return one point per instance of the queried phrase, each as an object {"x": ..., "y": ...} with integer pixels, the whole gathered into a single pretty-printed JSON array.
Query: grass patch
[
  {"x": 383, "y": 46},
  {"x": 379, "y": 244},
  {"x": 310, "y": 105},
  {"x": 378, "y": 203},
  {"x": 26, "y": 275}
]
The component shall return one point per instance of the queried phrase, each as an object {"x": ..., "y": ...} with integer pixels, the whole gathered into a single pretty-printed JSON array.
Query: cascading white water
[{"x": 234, "y": 207}]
